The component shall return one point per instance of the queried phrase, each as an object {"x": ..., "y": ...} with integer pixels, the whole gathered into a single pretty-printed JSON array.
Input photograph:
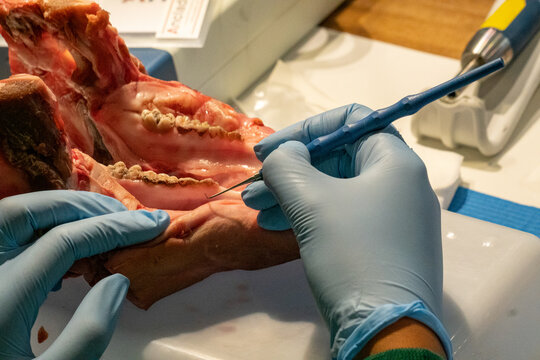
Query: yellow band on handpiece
[{"x": 504, "y": 15}]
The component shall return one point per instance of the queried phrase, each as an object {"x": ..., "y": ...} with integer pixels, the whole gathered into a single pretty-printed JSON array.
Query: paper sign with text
[
  {"x": 135, "y": 16},
  {"x": 183, "y": 19},
  {"x": 167, "y": 19}
]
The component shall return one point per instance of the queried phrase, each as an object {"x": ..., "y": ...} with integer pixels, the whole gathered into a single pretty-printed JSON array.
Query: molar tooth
[
  {"x": 181, "y": 120},
  {"x": 156, "y": 114},
  {"x": 235, "y": 135},
  {"x": 201, "y": 130},
  {"x": 214, "y": 131},
  {"x": 119, "y": 164},
  {"x": 162, "y": 178},
  {"x": 132, "y": 176},
  {"x": 133, "y": 173},
  {"x": 171, "y": 180},
  {"x": 119, "y": 173},
  {"x": 155, "y": 121},
  {"x": 166, "y": 123},
  {"x": 181, "y": 124},
  {"x": 150, "y": 176},
  {"x": 117, "y": 170},
  {"x": 149, "y": 120}
]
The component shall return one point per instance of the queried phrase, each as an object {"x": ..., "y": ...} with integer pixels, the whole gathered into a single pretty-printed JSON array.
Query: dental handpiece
[{"x": 504, "y": 34}]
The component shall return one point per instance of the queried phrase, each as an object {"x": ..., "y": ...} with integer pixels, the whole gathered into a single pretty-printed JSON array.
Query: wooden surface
[{"x": 441, "y": 27}]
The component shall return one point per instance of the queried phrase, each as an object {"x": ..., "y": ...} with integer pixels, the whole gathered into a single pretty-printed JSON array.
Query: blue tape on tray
[
  {"x": 158, "y": 63},
  {"x": 496, "y": 210}
]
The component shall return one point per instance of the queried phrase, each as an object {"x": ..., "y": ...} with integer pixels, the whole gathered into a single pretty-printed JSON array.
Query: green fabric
[{"x": 405, "y": 354}]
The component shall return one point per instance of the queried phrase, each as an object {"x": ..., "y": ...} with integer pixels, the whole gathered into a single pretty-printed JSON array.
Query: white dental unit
[{"x": 492, "y": 273}]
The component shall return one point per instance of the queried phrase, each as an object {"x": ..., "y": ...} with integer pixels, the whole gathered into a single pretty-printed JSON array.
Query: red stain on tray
[
  {"x": 42, "y": 335},
  {"x": 226, "y": 328},
  {"x": 242, "y": 287}
]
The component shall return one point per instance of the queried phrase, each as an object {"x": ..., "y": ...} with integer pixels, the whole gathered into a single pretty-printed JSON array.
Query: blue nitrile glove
[
  {"x": 367, "y": 223},
  {"x": 79, "y": 225}
]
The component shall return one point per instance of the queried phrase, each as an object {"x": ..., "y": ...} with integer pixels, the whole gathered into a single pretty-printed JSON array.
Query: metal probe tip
[
  {"x": 256, "y": 177},
  {"x": 474, "y": 63}
]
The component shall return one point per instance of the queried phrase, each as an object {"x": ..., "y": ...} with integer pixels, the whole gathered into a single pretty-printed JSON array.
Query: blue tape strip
[
  {"x": 496, "y": 210},
  {"x": 158, "y": 63}
]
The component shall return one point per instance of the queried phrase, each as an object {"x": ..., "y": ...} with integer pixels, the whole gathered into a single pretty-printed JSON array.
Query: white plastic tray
[{"x": 491, "y": 309}]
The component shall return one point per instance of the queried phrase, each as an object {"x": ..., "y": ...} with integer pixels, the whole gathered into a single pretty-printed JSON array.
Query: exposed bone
[{"x": 120, "y": 171}]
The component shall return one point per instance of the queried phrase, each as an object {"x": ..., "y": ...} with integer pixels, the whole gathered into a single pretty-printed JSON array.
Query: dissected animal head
[
  {"x": 96, "y": 121},
  {"x": 148, "y": 130}
]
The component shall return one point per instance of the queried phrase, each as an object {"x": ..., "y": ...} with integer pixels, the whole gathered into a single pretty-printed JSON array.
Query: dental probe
[{"x": 379, "y": 119}]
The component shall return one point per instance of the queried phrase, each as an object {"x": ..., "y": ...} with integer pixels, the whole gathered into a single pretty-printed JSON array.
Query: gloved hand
[
  {"x": 79, "y": 225},
  {"x": 367, "y": 223}
]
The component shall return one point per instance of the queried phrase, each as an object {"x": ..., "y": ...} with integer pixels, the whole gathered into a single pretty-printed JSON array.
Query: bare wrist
[{"x": 404, "y": 333}]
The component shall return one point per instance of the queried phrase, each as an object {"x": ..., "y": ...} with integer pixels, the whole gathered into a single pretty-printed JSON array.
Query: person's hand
[
  {"x": 41, "y": 235},
  {"x": 367, "y": 223}
]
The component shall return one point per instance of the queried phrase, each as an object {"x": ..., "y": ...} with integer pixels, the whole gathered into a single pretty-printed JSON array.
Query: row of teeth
[
  {"x": 121, "y": 171},
  {"x": 155, "y": 121}
]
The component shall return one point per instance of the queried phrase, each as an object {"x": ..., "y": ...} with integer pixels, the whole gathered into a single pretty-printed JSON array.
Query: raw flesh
[{"x": 149, "y": 143}]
